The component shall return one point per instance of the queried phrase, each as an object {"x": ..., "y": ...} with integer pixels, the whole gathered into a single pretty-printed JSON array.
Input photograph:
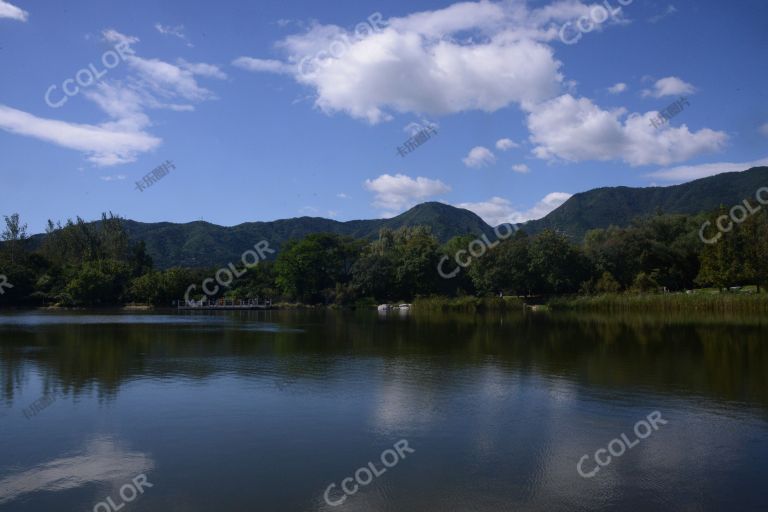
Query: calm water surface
[{"x": 265, "y": 410}]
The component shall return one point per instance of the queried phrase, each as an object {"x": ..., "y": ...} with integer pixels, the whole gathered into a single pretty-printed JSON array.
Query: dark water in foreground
[{"x": 265, "y": 410}]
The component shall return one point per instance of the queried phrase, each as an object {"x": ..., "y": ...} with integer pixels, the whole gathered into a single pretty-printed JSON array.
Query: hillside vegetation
[{"x": 201, "y": 244}]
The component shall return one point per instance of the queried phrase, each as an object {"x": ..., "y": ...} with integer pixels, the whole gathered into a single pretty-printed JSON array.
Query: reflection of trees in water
[
  {"x": 722, "y": 359},
  {"x": 10, "y": 373}
]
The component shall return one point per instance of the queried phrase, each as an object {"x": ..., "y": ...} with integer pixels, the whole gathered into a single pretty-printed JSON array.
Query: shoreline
[{"x": 620, "y": 302}]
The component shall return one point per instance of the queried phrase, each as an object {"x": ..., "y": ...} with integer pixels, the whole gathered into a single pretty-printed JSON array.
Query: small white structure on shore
[{"x": 383, "y": 308}]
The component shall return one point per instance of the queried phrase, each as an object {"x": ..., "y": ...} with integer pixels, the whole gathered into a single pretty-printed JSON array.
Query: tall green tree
[
  {"x": 505, "y": 268},
  {"x": 720, "y": 261},
  {"x": 462, "y": 282},
  {"x": 754, "y": 249},
  {"x": 99, "y": 283},
  {"x": 557, "y": 265},
  {"x": 373, "y": 275},
  {"x": 308, "y": 269},
  {"x": 416, "y": 256},
  {"x": 14, "y": 235}
]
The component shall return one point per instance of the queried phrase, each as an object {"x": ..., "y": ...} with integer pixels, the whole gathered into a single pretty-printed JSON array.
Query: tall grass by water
[{"x": 705, "y": 302}]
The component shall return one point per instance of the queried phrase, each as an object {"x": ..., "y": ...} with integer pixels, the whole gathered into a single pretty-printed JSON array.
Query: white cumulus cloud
[
  {"x": 617, "y": 88},
  {"x": 8, "y": 10},
  {"x": 393, "y": 194},
  {"x": 476, "y": 56},
  {"x": 498, "y": 210},
  {"x": 506, "y": 144},
  {"x": 507, "y": 62},
  {"x": 670, "y": 86},
  {"x": 479, "y": 157},
  {"x": 521, "y": 168},
  {"x": 576, "y": 130}
]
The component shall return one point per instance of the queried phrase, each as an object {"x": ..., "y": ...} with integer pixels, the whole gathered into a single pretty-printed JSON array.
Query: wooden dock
[{"x": 223, "y": 305}]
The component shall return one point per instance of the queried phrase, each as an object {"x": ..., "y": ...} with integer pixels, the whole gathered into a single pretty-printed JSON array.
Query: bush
[
  {"x": 644, "y": 283},
  {"x": 99, "y": 283},
  {"x": 607, "y": 284}
]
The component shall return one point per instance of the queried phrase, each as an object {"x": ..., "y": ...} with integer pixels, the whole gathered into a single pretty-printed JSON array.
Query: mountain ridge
[
  {"x": 203, "y": 244},
  {"x": 605, "y": 206},
  {"x": 199, "y": 243}
]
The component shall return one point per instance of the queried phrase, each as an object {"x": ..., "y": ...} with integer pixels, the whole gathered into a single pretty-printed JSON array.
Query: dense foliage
[
  {"x": 94, "y": 264},
  {"x": 201, "y": 244}
]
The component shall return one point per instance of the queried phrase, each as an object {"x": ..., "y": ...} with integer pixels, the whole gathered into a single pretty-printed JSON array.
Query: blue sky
[{"x": 528, "y": 108}]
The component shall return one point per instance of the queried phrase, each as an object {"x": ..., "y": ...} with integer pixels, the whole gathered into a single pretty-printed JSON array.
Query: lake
[{"x": 354, "y": 411}]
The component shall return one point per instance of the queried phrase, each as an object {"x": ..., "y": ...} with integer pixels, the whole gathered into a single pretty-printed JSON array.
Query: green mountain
[
  {"x": 602, "y": 207},
  {"x": 201, "y": 244}
]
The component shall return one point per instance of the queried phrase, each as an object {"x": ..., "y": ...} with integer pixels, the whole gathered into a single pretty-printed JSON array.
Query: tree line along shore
[{"x": 658, "y": 262}]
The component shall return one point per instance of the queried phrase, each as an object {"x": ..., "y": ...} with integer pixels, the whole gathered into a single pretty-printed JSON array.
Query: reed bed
[{"x": 702, "y": 302}]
